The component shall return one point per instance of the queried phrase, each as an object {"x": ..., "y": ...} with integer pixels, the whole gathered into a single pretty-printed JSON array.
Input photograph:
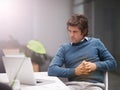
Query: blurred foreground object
[
  {"x": 36, "y": 46},
  {"x": 37, "y": 53},
  {"x": 4, "y": 87}
]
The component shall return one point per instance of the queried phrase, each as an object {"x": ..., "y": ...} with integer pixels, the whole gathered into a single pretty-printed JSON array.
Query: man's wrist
[{"x": 77, "y": 71}]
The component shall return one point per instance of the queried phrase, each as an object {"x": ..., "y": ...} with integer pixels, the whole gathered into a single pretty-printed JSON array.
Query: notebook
[{"x": 22, "y": 67}]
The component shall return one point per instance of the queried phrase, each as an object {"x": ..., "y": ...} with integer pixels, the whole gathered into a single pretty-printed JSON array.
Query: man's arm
[
  {"x": 56, "y": 66},
  {"x": 107, "y": 61}
]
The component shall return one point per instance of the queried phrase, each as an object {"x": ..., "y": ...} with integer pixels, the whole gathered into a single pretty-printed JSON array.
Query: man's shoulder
[
  {"x": 93, "y": 39},
  {"x": 67, "y": 44}
]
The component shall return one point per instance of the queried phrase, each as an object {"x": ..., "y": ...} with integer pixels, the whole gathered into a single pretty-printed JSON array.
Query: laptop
[
  {"x": 12, "y": 53},
  {"x": 22, "y": 69}
]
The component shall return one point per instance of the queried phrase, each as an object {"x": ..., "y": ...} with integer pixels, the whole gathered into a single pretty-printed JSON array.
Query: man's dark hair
[{"x": 80, "y": 21}]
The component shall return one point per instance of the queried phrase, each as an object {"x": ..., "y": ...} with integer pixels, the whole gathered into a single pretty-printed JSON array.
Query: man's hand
[{"x": 85, "y": 68}]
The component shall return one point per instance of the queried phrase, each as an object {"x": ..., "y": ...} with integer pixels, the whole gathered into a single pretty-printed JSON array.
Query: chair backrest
[{"x": 106, "y": 80}]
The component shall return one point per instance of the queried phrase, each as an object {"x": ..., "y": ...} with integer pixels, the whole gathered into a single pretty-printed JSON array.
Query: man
[{"x": 86, "y": 59}]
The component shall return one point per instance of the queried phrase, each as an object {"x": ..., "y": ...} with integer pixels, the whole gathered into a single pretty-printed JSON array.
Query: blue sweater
[{"x": 92, "y": 50}]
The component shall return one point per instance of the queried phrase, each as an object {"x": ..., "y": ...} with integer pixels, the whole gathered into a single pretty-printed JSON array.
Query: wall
[
  {"x": 107, "y": 26},
  {"x": 104, "y": 23},
  {"x": 43, "y": 20}
]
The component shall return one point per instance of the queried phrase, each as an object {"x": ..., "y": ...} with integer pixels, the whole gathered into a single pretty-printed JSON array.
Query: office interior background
[{"x": 45, "y": 21}]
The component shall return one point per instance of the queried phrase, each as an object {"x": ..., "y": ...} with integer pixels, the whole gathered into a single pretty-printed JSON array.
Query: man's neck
[{"x": 75, "y": 44}]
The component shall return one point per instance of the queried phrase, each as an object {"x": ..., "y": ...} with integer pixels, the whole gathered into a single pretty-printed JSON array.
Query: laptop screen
[{"x": 21, "y": 68}]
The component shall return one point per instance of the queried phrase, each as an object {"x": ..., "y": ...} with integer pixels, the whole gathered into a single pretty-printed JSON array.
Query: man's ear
[{"x": 85, "y": 33}]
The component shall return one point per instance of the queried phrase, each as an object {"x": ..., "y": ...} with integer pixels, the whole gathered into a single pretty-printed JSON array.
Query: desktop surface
[{"x": 49, "y": 82}]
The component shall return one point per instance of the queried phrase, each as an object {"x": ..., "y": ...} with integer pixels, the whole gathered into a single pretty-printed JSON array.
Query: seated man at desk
[{"x": 86, "y": 59}]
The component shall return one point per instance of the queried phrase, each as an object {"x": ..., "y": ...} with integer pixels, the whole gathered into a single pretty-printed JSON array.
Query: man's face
[{"x": 75, "y": 34}]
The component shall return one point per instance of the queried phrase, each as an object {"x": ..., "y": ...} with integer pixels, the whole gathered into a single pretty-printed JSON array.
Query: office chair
[{"x": 106, "y": 80}]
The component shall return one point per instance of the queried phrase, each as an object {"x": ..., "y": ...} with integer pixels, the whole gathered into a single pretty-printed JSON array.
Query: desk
[{"x": 56, "y": 85}]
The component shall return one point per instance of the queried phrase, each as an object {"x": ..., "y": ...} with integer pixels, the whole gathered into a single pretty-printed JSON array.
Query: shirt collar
[{"x": 85, "y": 38}]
